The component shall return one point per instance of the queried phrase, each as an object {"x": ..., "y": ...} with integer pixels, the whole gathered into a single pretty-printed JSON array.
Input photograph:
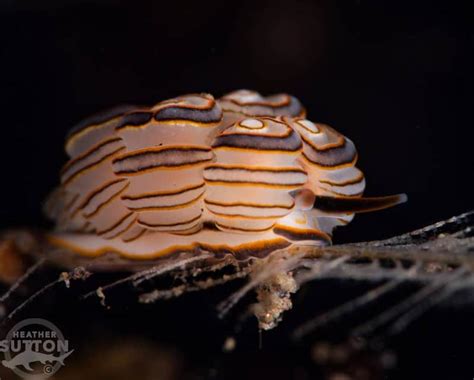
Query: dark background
[{"x": 394, "y": 76}]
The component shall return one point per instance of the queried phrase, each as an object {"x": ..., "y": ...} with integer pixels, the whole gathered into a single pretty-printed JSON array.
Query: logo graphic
[{"x": 34, "y": 349}]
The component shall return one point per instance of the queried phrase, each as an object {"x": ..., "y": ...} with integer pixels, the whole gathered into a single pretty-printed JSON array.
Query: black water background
[{"x": 396, "y": 77}]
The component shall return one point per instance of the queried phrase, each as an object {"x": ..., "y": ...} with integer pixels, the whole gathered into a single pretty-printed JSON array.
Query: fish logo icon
[
  {"x": 26, "y": 358},
  {"x": 35, "y": 348}
]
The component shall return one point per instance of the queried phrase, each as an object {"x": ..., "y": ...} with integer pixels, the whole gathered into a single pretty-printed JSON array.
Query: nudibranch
[{"x": 244, "y": 175}]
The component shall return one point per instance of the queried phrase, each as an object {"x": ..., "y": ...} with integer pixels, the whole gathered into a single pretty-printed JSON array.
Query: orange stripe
[
  {"x": 243, "y": 229},
  {"x": 91, "y": 166},
  {"x": 134, "y": 237},
  {"x": 159, "y": 149},
  {"x": 258, "y": 151},
  {"x": 87, "y": 153},
  {"x": 162, "y": 167},
  {"x": 258, "y": 184},
  {"x": 241, "y": 216},
  {"x": 353, "y": 181},
  {"x": 124, "y": 230},
  {"x": 99, "y": 190},
  {"x": 71, "y": 139},
  {"x": 291, "y": 169},
  {"x": 327, "y": 146},
  {"x": 171, "y": 207},
  {"x": 255, "y": 246},
  {"x": 114, "y": 225},
  {"x": 169, "y": 122},
  {"x": 169, "y": 225},
  {"x": 331, "y": 167},
  {"x": 108, "y": 201},
  {"x": 341, "y": 194},
  {"x": 243, "y": 204},
  {"x": 162, "y": 194}
]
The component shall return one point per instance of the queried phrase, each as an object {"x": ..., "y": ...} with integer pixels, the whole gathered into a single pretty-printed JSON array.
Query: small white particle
[{"x": 229, "y": 344}]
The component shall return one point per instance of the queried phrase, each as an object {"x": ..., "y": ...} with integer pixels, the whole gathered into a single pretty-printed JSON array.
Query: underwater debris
[
  {"x": 439, "y": 259},
  {"x": 273, "y": 299},
  {"x": 12, "y": 265},
  {"x": 229, "y": 344}
]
